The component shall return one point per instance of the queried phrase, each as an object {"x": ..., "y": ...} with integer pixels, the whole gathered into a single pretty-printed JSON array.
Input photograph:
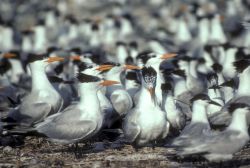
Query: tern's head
[
  {"x": 42, "y": 59},
  {"x": 203, "y": 99},
  {"x": 151, "y": 58},
  {"x": 241, "y": 65},
  {"x": 93, "y": 82},
  {"x": 166, "y": 87},
  {"x": 112, "y": 68},
  {"x": 89, "y": 69},
  {"x": 149, "y": 76},
  {"x": 239, "y": 108}
]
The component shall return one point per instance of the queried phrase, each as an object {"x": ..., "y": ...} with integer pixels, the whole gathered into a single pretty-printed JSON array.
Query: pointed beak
[
  {"x": 76, "y": 58},
  {"x": 54, "y": 59},
  {"x": 9, "y": 55},
  {"x": 104, "y": 67},
  {"x": 108, "y": 83},
  {"x": 214, "y": 103},
  {"x": 168, "y": 56},
  {"x": 132, "y": 67}
]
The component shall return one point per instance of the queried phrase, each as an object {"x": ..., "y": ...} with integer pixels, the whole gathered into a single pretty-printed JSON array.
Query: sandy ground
[{"x": 38, "y": 152}]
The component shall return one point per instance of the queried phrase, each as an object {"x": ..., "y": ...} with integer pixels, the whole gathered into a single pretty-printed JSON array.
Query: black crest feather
[
  {"x": 234, "y": 106},
  {"x": 149, "y": 74},
  {"x": 200, "y": 97},
  {"x": 217, "y": 67},
  {"x": 241, "y": 65},
  {"x": 84, "y": 78}
]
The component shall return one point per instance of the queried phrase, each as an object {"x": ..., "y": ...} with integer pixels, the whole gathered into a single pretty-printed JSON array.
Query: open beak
[
  {"x": 168, "y": 55},
  {"x": 9, "y": 55},
  {"x": 54, "y": 59},
  {"x": 76, "y": 58},
  {"x": 214, "y": 103},
  {"x": 108, "y": 83},
  {"x": 104, "y": 67},
  {"x": 132, "y": 67}
]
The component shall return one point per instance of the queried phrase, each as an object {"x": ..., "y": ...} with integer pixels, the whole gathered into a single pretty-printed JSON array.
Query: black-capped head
[
  {"x": 145, "y": 56},
  {"x": 40, "y": 22},
  {"x": 227, "y": 45},
  {"x": 217, "y": 67},
  {"x": 180, "y": 73},
  {"x": 166, "y": 87},
  {"x": 5, "y": 65},
  {"x": 111, "y": 63},
  {"x": 27, "y": 32},
  {"x": 241, "y": 65},
  {"x": 129, "y": 60},
  {"x": 76, "y": 51},
  {"x": 52, "y": 49},
  {"x": 55, "y": 79},
  {"x": 208, "y": 48},
  {"x": 121, "y": 43},
  {"x": 240, "y": 54},
  {"x": 84, "y": 78},
  {"x": 231, "y": 83},
  {"x": 234, "y": 106},
  {"x": 201, "y": 96},
  {"x": 149, "y": 76},
  {"x": 83, "y": 66},
  {"x": 32, "y": 57},
  {"x": 131, "y": 75},
  {"x": 95, "y": 27},
  {"x": 133, "y": 44}
]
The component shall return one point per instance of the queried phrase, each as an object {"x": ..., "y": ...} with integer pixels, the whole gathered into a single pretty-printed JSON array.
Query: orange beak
[
  {"x": 76, "y": 58},
  {"x": 54, "y": 59},
  {"x": 168, "y": 55},
  {"x": 104, "y": 67},
  {"x": 131, "y": 67},
  {"x": 9, "y": 55},
  {"x": 108, "y": 83}
]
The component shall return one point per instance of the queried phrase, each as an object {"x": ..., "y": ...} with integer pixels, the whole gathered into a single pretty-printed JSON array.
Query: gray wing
[
  {"x": 68, "y": 131},
  {"x": 121, "y": 102},
  {"x": 226, "y": 142},
  {"x": 130, "y": 128},
  {"x": 31, "y": 113},
  {"x": 66, "y": 126},
  {"x": 131, "y": 131},
  {"x": 190, "y": 133},
  {"x": 223, "y": 117}
]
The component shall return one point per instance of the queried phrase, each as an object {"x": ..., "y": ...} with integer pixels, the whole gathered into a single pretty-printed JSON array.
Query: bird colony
[{"x": 174, "y": 74}]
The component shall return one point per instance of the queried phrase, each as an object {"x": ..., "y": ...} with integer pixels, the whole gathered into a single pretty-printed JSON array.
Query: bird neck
[
  {"x": 16, "y": 67},
  {"x": 203, "y": 30},
  {"x": 122, "y": 54},
  {"x": 88, "y": 96},
  {"x": 39, "y": 77},
  {"x": 192, "y": 69},
  {"x": 244, "y": 80},
  {"x": 239, "y": 123},
  {"x": 145, "y": 98},
  {"x": 180, "y": 86},
  {"x": 169, "y": 101},
  {"x": 199, "y": 113}
]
